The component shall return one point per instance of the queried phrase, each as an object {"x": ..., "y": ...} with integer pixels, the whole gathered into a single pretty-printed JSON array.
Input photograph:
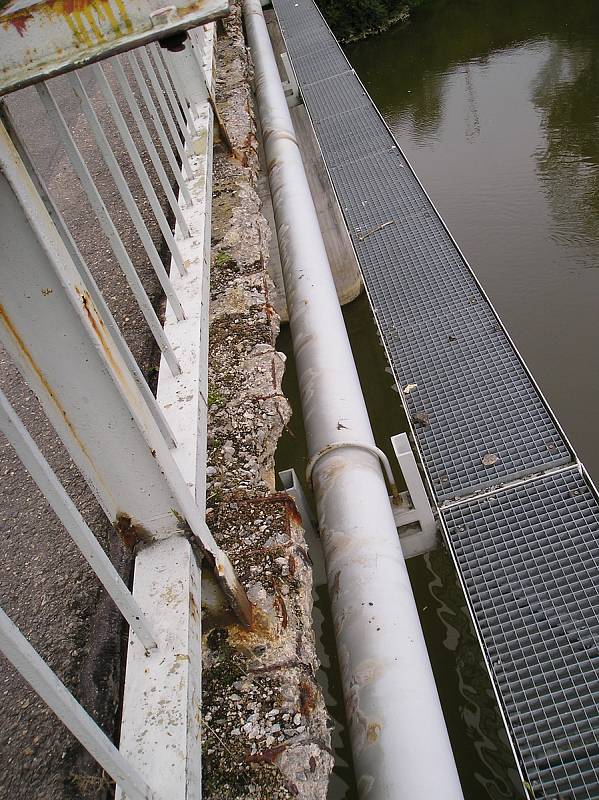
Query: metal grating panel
[
  {"x": 312, "y": 39},
  {"x": 485, "y": 404},
  {"x": 391, "y": 261},
  {"x": 333, "y": 96},
  {"x": 529, "y": 558},
  {"x": 375, "y": 190},
  {"x": 473, "y": 419},
  {"x": 351, "y": 136},
  {"x": 313, "y": 66},
  {"x": 299, "y": 15},
  {"x": 529, "y": 555}
]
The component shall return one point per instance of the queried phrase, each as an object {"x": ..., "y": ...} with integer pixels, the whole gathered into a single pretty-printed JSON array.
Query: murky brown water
[
  {"x": 496, "y": 104},
  {"x": 484, "y": 759}
]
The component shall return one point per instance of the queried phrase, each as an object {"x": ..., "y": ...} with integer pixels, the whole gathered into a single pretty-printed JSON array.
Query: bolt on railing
[{"x": 144, "y": 457}]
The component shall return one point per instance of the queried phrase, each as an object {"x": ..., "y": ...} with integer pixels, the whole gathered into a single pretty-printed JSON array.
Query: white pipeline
[{"x": 399, "y": 740}]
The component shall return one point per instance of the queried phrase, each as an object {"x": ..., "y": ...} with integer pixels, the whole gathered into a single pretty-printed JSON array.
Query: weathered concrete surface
[
  {"x": 45, "y": 585},
  {"x": 265, "y": 724}
]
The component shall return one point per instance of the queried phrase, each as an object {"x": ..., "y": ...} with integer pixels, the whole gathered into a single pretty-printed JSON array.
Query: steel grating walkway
[{"x": 519, "y": 512}]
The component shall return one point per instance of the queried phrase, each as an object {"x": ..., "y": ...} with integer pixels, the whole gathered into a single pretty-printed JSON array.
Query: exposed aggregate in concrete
[{"x": 266, "y": 733}]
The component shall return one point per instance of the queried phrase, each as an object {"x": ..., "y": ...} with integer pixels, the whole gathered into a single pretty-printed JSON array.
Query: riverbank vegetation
[{"x": 356, "y": 19}]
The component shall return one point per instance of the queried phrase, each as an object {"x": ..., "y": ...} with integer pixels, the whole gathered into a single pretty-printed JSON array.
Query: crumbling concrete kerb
[{"x": 265, "y": 732}]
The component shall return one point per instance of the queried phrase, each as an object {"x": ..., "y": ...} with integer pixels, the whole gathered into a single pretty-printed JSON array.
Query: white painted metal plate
[{"x": 41, "y": 38}]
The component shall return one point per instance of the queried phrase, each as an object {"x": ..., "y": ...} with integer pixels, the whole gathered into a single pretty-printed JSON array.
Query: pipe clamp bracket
[{"x": 369, "y": 448}]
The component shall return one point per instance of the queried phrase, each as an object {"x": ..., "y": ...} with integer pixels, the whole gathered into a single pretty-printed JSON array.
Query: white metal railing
[{"x": 144, "y": 457}]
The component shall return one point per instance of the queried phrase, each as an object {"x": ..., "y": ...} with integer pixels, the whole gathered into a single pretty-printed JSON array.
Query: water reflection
[
  {"x": 497, "y": 107},
  {"x": 472, "y": 117},
  {"x": 412, "y": 84},
  {"x": 484, "y": 758},
  {"x": 566, "y": 93}
]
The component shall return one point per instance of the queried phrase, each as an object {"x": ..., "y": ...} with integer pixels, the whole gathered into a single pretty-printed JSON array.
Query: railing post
[
  {"x": 184, "y": 401},
  {"x": 83, "y": 383},
  {"x": 59, "y": 341},
  {"x": 162, "y": 702},
  {"x": 189, "y": 73},
  {"x": 167, "y": 85},
  {"x": 167, "y": 111}
]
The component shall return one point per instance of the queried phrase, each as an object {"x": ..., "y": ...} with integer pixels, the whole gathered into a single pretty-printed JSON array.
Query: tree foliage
[{"x": 352, "y": 19}]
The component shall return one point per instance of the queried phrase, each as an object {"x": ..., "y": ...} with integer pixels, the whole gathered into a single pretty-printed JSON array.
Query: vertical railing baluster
[
  {"x": 161, "y": 69},
  {"x": 149, "y": 144},
  {"x": 109, "y": 228},
  {"x": 124, "y": 190},
  {"x": 166, "y": 110},
  {"x": 157, "y": 122},
  {"x": 138, "y": 165}
]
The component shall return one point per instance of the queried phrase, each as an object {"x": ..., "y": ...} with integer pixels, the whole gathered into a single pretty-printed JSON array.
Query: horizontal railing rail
[{"x": 143, "y": 455}]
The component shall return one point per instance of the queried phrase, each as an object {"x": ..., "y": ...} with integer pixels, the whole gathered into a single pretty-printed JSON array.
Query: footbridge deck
[{"x": 518, "y": 510}]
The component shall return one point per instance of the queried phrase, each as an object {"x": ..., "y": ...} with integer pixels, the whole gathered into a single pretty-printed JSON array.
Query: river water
[{"x": 496, "y": 105}]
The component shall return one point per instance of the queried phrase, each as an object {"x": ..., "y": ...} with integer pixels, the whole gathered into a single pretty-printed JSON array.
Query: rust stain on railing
[
  {"x": 101, "y": 333},
  {"x": 51, "y": 37},
  {"x": 130, "y": 532},
  {"x": 76, "y": 13},
  {"x": 12, "y": 330}
]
